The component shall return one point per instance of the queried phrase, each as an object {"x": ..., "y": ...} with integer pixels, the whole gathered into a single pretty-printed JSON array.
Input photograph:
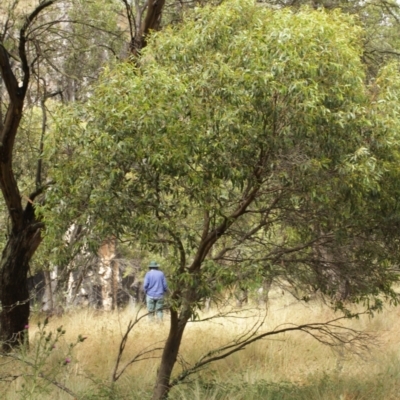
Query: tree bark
[
  {"x": 50, "y": 279},
  {"x": 14, "y": 294},
  {"x": 170, "y": 353},
  {"x": 115, "y": 284},
  {"x": 140, "y": 26}
]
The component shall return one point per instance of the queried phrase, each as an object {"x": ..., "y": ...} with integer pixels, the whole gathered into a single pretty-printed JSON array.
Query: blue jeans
[{"x": 155, "y": 305}]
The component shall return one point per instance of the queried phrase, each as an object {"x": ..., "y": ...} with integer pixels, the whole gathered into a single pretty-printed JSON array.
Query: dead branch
[
  {"x": 227, "y": 314},
  {"x": 330, "y": 333}
]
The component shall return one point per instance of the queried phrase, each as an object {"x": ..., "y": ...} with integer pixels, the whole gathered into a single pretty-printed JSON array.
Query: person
[{"x": 155, "y": 287}]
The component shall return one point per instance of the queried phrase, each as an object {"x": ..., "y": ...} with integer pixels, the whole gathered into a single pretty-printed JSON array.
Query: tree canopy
[
  {"x": 254, "y": 111},
  {"x": 247, "y": 142}
]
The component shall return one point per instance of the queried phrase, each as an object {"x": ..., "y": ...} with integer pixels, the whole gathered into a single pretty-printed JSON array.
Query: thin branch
[
  {"x": 41, "y": 375},
  {"x": 22, "y": 41},
  {"x": 216, "y": 233},
  {"x": 230, "y": 314},
  {"x": 130, "y": 19},
  {"x": 138, "y": 357},
  {"x": 329, "y": 333},
  {"x": 11, "y": 9}
]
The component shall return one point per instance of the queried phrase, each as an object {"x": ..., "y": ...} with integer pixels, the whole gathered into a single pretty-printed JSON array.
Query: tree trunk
[
  {"x": 242, "y": 297},
  {"x": 264, "y": 293},
  {"x": 50, "y": 278},
  {"x": 114, "y": 284},
  {"x": 106, "y": 272},
  {"x": 170, "y": 353},
  {"x": 14, "y": 294}
]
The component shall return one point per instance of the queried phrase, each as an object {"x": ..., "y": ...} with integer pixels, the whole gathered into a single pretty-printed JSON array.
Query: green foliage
[
  {"x": 73, "y": 40},
  {"x": 42, "y": 364},
  {"x": 379, "y": 19},
  {"x": 248, "y": 130}
]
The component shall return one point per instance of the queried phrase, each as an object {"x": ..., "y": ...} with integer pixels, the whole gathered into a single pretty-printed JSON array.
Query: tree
[
  {"x": 246, "y": 141},
  {"x": 379, "y": 19},
  {"x": 30, "y": 52},
  {"x": 24, "y": 236},
  {"x": 144, "y": 17},
  {"x": 68, "y": 75},
  {"x": 60, "y": 47}
]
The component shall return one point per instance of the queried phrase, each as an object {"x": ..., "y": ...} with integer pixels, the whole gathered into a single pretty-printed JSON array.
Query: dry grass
[{"x": 295, "y": 362}]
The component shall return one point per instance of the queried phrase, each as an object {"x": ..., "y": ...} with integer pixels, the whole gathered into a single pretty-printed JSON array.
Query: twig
[
  {"x": 138, "y": 357},
  {"x": 329, "y": 333},
  {"x": 41, "y": 375}
]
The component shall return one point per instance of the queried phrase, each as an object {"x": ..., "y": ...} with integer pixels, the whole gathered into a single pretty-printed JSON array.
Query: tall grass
[{"x": 291, "y": 366}]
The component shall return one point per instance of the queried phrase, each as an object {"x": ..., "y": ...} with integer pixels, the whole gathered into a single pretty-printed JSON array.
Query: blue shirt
[{"x": 155, "y": 284}]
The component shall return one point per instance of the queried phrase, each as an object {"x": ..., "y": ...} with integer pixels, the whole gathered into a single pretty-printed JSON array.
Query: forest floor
[{"x": 290, "y": 366}]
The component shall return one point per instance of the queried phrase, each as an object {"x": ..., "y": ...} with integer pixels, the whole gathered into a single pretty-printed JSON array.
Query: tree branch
[
  {"x": 139, "y": 357},
  {"x": 22, "y": 41},
  {"x": 329, "y": 333},
  {"x": 7, "y": 74}
]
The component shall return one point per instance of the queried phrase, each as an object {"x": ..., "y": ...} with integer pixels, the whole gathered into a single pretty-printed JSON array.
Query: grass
[{"x": 291, "y": 366}]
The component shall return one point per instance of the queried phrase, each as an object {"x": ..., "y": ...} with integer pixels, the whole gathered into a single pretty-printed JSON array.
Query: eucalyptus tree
[
  {"x": 247, "y": 140},
  {"x": 24, "y": 234},
  {"x": 379, "y": 18},
  {"x": 144, "y": 17},
  {"x": 54, "y": 51},
  {"x": 37, "y": 50}
]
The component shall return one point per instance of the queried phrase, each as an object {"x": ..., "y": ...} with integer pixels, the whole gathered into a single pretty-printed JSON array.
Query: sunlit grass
[{"x": 289, "y": 366}]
